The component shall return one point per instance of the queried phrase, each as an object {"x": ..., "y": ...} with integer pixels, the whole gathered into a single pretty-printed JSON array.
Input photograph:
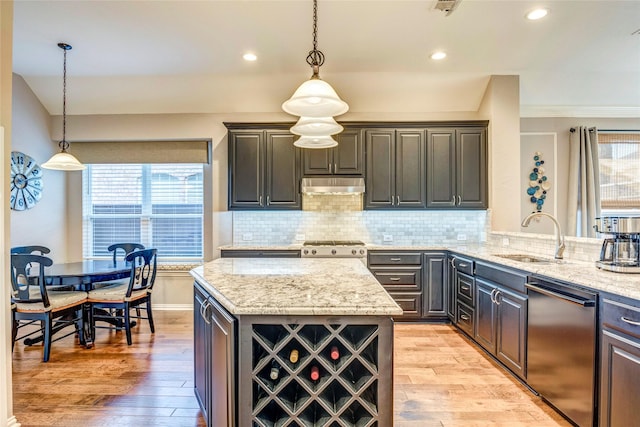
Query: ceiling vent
[{"x": 447, "y": 6}]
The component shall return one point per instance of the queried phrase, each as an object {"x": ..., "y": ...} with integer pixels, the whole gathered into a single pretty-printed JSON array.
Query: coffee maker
[{"x": 621, "y": 251}]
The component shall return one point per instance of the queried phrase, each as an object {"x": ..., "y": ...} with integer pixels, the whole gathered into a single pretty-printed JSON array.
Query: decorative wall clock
[{"x": 26, "y": 182}]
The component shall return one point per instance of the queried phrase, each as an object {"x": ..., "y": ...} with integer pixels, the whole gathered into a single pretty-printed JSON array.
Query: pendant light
[
  {"x": 316, "y": 102},
  {"x": 63, "y": 160}
]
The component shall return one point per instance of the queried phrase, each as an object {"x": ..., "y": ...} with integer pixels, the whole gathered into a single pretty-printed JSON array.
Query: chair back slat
[
  {"x": 30, "y": 250},
  {"x": 143, "y": 270},
  {"x": 127, "y": 248},
  {"x": 28, "y": 287}
]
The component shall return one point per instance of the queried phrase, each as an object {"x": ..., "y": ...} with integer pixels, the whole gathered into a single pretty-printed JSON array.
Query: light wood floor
[{"x": 440, "y": 380}]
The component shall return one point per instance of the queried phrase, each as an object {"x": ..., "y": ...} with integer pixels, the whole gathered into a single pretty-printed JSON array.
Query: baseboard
[
  {"x": 13, "y": 422},
  {"x": 173, "y": 307}
]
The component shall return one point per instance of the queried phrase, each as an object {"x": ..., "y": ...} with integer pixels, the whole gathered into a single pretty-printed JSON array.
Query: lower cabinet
[
  {"x": 500, "y": 324},
  {"x": 214, "y": 360},
  {"x": 620, "y": 365},
  {"x": 434, "y": 278}
]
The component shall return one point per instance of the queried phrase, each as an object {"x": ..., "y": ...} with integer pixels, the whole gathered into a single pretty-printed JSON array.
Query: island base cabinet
[
  {"x": 315, "y": 371},
  {"x": 214, "y": 361}
]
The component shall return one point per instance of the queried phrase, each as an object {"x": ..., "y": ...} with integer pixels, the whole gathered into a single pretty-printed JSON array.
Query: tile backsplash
[{"x": 325, "y": 222}]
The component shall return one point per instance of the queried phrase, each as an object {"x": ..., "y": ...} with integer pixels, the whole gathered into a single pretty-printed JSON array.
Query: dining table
[{"x": 83, "y": 276}]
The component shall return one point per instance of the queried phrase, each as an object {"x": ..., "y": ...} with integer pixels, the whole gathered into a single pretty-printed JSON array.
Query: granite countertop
[
  {"x": 580, "y": 273},
  {"x": 296, "y": 286}
]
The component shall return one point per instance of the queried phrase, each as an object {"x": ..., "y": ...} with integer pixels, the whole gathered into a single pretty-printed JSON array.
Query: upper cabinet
[
  {"x": 264, "y": 170},
  {"x": 395, "y": 175},
  {"x": 345, "y": 159},
  {"x": 457, "y": 168}
]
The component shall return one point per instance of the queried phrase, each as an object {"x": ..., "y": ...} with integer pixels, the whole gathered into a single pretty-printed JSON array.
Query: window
[
  {"x": 158, "y": 205},
  {"x": 619, "y": 157}
]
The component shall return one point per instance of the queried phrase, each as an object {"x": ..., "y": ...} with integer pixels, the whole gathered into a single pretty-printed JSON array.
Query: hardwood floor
[{"x": 440, "y": 380}]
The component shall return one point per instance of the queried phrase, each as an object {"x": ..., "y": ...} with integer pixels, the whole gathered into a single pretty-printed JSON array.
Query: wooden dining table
[{"x": 83, "y": 275}]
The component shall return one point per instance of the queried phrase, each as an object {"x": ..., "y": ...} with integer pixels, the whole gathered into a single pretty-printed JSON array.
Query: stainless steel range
[{"x": 333, "y": 249}]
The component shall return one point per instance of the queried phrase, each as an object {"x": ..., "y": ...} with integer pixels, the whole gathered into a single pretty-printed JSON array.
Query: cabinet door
[
  {"x": 441, "y": 168},
  {"x": 485, "y": 312},
  {"x": 283, "y": 179},
  {"x": 246, "y": 156},
  {"x": 511, "y": 331},
  {"x": 451, "y": 291},
  {"x": 201, "y": 353},
  {"x": 380, "y": 187},
  {"x": 471, "y": 168},
  {"x": 348, "y": 156},
  {"x": 317, "y": 162},
  {"x": 223, "y": 355},
  {"x": 410, "y": 175},
  {"x": 435, "y": 276},
  {"x": 620, "y": 388}
]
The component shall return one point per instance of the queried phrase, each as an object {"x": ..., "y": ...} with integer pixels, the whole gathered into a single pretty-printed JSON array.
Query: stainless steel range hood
[{"x": 332, "y": 185}]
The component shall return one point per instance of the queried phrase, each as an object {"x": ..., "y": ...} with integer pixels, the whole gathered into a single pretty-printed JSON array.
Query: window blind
[
  {"x": 619, "y": 156},
  {"x": 158, "y": 205}
]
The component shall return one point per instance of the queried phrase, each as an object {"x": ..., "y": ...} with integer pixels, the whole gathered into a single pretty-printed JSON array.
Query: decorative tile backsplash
[
  {"x": 374, "y": 227},
  {"x": 577, "y": 248}
]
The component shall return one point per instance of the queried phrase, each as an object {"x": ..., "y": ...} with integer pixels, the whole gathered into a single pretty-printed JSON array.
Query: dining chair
[
  {"x": 32, "y": 302},
  {"x": 43, "y": 250},
  {"x": 119, "y": 299},
  {"x": 127, "y": 248}
]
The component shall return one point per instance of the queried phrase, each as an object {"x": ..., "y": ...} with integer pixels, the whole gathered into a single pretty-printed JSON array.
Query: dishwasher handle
[{"x": 584, "y": 302}]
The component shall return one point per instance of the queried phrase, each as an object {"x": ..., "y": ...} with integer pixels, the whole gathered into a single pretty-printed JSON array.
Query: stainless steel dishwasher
[{"x": 561, "y": 347}]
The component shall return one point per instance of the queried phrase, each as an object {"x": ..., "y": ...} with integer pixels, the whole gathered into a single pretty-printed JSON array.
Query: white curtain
[{"x": 584, "y": 182}]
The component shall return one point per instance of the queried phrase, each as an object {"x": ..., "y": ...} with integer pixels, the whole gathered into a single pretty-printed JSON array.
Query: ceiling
[{"x": 132, "y": 57}]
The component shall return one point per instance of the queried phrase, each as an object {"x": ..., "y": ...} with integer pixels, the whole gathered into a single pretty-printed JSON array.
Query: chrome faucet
[{"x": 559, "y": 236}]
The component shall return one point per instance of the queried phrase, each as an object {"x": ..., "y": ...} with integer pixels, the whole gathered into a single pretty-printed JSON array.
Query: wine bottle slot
[
  {"x": 335, "y": 353},
  {"x": 275, "y": 371},
  {"x": 293, "y": 356},
  {"x": 315, "y": 373}
]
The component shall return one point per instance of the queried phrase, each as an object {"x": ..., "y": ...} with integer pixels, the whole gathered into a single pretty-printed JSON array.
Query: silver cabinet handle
[
  {"x": 452, "y": 261},
  {"x": 629, "y": 321},
  {"x": 205, "y": 307},
  {"x": 493, "y": 291},
  {"x": 465, "y": 288},
  {"x": 459, "y": 200},
  {"x": 268, "y": 200},
  {"x": 394, "y": 279},
  {"x": 498, "y": 294},
  {"x": 260, "y": 200},
  {"x": 453, "y": 200},
  {"x": 335, "y": 168},
  {"x": 464, "y": 317},
  {"x": 330, "y": 165},
  {"x": 464, "y": 264},
  {"x": 395, "y": 259},
  {"x": 393, "y": 201}
]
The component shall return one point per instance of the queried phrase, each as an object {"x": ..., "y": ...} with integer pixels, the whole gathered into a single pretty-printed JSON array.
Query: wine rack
[{"x": 346, "y": 392}]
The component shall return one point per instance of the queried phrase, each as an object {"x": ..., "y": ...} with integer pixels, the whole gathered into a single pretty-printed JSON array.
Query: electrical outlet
[
  {"x": 387, "y": 238},
  {"x": 247, "y": 236},
  {"x": 300, "y": 237},
  {"x": 462, "y": 236},
  {"x": 505, "y": 241}
]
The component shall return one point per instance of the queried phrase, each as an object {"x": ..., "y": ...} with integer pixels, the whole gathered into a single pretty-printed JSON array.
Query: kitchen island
[{"x": 292, "y": 342}]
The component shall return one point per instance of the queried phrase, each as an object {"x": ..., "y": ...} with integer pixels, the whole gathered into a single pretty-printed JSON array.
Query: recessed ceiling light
[
  {"x": 438, "y": 55},
  {"x": 537, "y": 14},
  {"x": 249, "y": 57}
]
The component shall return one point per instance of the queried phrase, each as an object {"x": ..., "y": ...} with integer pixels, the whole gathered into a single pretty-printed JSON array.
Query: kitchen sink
[{"x": 523, "y": 258}]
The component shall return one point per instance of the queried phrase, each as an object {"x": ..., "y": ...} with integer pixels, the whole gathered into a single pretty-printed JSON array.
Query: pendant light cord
[
  {"x": 315, "y": 58},
  {"x": 64, "y": 144}
]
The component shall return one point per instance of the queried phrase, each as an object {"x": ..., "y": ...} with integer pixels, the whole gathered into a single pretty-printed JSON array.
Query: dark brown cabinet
[
  {"x": 620, "y": 364},
  {"x": 264, "y": 170},
  {"x": 214, "y": 360},
  {"x": 395, "y": 168},
  {"x": 457, "y": 168},
  {"x": 500, "y": 324},
  {"x": 345, "y": 159},
  {"x": 434, "y": 296}
]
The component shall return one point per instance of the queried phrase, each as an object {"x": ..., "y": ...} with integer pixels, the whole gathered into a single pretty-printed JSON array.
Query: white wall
[{"x": 45, "y": 223}]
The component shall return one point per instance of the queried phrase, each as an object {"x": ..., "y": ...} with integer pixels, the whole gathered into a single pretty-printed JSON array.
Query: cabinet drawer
[
  {"x": 411, "y": 305},
  {"x": 465, "y": 289},
  {"x": 395, "y": 258},
  {"x": 463, "y": 265},
  {"x": 621, "y": 316},
  {"x": 464, "y": 318},
  {"x": 399, "y": 280}
]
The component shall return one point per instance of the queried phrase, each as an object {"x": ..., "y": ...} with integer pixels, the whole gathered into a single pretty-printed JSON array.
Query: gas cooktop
[{"x": 333, "y": 243}]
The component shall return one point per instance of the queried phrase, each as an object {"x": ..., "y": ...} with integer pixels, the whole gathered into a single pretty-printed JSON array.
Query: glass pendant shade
[
  {"x": 315, "y": 142},
  {"x": 63, "y": 161},
  {"x": 316, "y": 126},
  {"x": 315, "y": 98}
]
